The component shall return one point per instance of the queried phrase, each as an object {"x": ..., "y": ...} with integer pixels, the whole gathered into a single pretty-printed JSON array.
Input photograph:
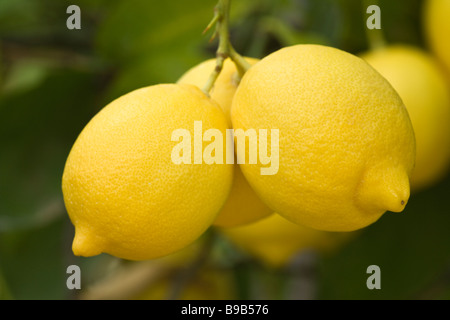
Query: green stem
[
  {"x": 225, "y": 49},
  {"x": 375, "y": 37}
]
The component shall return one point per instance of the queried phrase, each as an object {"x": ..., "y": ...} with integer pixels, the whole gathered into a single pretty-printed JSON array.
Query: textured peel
[
  {"x": 338, "y": 119},
  {"x": 124, "y": 194},
  {"x": 243, "y": 205}
]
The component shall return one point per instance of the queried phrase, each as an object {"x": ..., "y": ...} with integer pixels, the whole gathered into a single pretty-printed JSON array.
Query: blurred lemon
[
  {"x": 424, "y": 89},
  {"x": 437, "y": 28},
  {"x": 243, "y": 205},
  {"x": 275, "y": 240}
]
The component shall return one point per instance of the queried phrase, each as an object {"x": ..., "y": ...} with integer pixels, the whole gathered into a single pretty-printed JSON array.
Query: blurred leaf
[
  {"x": 11, "y": 10},
  {"x": 411, "y": 248},
  {"x": 25, "y": 75},
  {"x": 37, "y": 130},
  {"x": 33, "y": 262},
  {"x": 150, "y": 42},
  {"x": 41, "y": 217},
  {"x": 143, "y": 28},
  {"x": 288, "y": 36},
  {"x": 401, "y": 21},
  {"x": 43, "y": 23},
  {"x": 161, "y": 67},
  {"x": 5, "y": 294}
]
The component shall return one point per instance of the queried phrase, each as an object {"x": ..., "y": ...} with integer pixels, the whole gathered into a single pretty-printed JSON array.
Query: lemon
[
  {"x": 122, "y": 190},
  {"x": 275, "y": 241},
  {"x": 243, "y": 205},
  {"x": 225, "y": 85},
  {"x": 424, "y": 89},
  {"x": 437, "y": 28},
  {"x": 346, "y": 143}
]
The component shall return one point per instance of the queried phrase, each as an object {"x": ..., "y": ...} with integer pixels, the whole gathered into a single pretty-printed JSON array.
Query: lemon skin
[
  {"x": 243, "y": 205},
  {"x": 346, "y": 143}
]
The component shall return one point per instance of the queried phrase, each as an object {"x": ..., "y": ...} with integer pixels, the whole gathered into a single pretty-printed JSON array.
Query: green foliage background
[{"x": 53, "y": 80}]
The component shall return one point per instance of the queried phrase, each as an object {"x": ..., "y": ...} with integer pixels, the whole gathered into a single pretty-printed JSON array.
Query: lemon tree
[{"x": 55, "y": 80}]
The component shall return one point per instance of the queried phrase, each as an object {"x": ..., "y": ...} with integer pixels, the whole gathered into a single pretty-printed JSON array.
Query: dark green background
[{"x": 53, "y": 80}]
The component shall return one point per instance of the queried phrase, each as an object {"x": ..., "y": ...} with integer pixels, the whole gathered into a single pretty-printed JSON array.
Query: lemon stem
[
  {"x": 375, "y": 37},
  {"x": 225, "y": 49}
]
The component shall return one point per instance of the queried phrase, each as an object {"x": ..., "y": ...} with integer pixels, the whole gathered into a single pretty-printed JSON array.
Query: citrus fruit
[
  {"x": 437, "y": 28},
  {"x": 243, "y": 205},
  {"x": 346, "y": 143},
  {"x": 424, "y": 89},
  {"x": 124, "y": 193},
  {"x": 275, "y": 241},
  {"x": 225, "y": 85}
]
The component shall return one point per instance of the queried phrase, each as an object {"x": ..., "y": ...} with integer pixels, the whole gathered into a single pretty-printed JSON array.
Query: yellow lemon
[
  {"x": 275, "y": 241},
  {"x": 123, "y": 190},
  {"x": 437, "y": 28},
  {"x": 345, "y": 141},
  {"x": 424, "y": 89},
  {"x": 225, "y": 85},
  {"x": 243, "y": 205}
]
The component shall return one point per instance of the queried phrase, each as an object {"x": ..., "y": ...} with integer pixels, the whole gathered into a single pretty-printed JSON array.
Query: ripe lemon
[
  {"x": 437, "y": 28},
  {"x": 346, "y": 143},
  {"x": 275, "y": 241},
  {"x": 123, "y": 192},
  {"x": 225, "y": 85},
  {"x": 424, "y": 89},
  {"x": 243, "y": 205}
]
